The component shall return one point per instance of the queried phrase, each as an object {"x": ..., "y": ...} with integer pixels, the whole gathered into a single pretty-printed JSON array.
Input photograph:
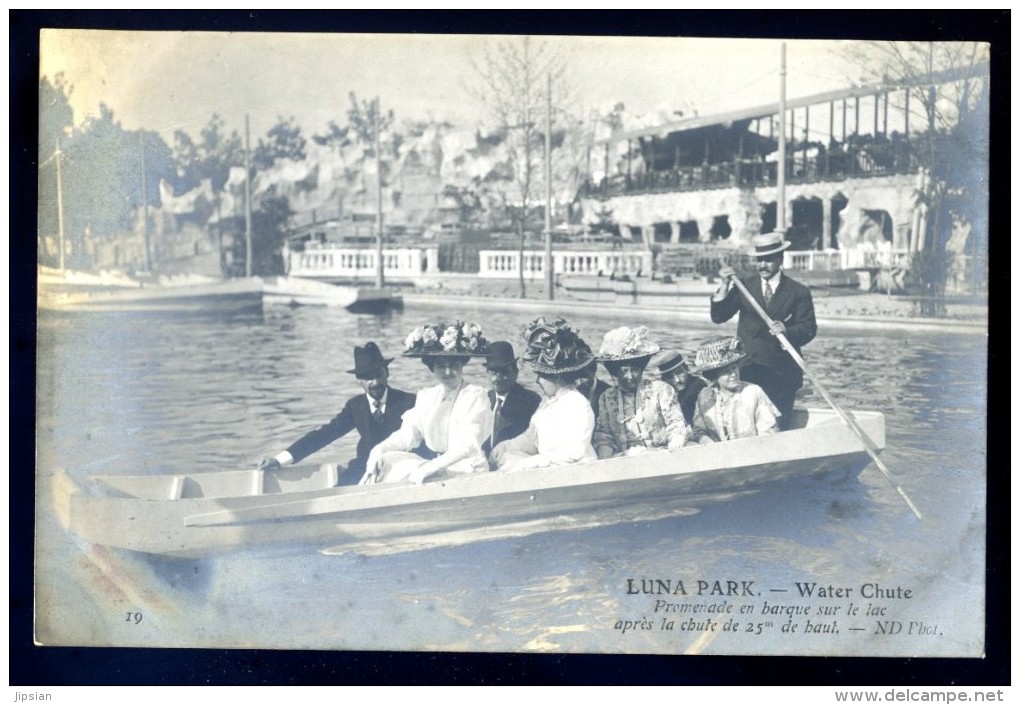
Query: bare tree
[
  {"x": 947, "y": 89},
  {"x": 511, "y": 81}
]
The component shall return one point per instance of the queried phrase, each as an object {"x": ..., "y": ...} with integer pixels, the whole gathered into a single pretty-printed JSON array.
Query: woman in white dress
[
  {"x": 561, "y": 428},
  {"x": 443, "y": 433},
  {"x": 728, "y": 407}
]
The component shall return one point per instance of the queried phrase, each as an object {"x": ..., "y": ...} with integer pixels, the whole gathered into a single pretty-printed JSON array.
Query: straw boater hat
[
  {"x": 554, "y": 348},
  {"x": 668, "y": 361},
  {"x": 368, "y": 360},
  {"x": 718, "y": 354},
  {"x": 456, "y": 339},
  {"x": 626, "y": 345},
  {"x": 769, "y": 243}
]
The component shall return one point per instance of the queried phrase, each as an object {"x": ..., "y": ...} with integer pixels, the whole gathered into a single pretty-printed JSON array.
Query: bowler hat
[
  {"x": 368, "y": 359},
  {"x": 501, "y": 354},
  {"x": 769, "y": 244}
]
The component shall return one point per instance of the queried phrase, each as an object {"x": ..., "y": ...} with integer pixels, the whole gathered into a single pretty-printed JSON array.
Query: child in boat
[
  {"x": 561, "y": 428},
  {"x": 637, "y": 414},
  {"x": 443, "y": 433},
  {"x": 728, "y": 407}
]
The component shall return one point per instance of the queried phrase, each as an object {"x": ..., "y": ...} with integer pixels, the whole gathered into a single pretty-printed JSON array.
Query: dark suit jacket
[
  {"x": 514, "y": 416},
  {"x": 791, "y": 304},
  {"x": 356, "y": 414}
]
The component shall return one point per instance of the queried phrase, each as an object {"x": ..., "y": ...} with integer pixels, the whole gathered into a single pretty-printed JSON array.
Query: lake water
[{"x": 129, "y": 394}]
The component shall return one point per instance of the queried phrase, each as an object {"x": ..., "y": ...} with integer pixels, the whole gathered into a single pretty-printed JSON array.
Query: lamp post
[{"x": 550, "y": 277}]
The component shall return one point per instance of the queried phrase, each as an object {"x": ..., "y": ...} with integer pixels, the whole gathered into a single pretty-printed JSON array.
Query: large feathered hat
[
  {"x": 625, "y": 344},
  {"x": 554, "y": 348}
]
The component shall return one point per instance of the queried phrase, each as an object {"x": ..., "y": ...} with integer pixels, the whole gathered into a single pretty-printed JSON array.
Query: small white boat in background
[
  {"x": 294, "y": 291},
  {"x": 300, "y": 291},
  {"x": 200, "y": 513}
]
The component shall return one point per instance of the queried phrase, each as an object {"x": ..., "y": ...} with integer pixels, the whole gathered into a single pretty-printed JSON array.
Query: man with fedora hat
[
  {"x": 792, "y": 310},
  {"x": 512, "y": 405},
  {"x": 375, "y": 414}
]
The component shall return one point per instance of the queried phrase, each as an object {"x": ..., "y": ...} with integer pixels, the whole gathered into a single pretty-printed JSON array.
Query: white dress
[
  {"x": 452, "y": 425},
  {"x": 559, "y": 433}
]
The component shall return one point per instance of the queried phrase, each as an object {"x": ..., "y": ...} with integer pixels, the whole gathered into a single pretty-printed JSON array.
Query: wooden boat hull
[
  {"x": 203, "y": 513},
  {"x": 230, "y": 297}
]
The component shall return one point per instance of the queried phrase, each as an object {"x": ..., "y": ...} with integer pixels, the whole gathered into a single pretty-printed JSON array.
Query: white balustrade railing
[
  {"x": 507, "y": 263},
  {"x": 357, "y": 263},
  {"x": 857, "y": 258}
]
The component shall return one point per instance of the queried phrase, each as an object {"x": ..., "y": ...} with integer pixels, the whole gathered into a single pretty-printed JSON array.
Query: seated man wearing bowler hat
[
  {"x": 512, "y": 405},
  {"x": 376, "y": 414},
  {"x": 792, "y": 311}
]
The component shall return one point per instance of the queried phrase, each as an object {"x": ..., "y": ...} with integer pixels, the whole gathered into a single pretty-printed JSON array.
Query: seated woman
[
  {"x": 729, "y": 408},
  {"x": 637, "y": 414},
  {"x": 451, "y": 419},
  {"x": 561, "y": 428}
]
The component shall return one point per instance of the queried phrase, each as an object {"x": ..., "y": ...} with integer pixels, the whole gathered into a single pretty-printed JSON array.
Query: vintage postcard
[{"x": 703, "y": 323}]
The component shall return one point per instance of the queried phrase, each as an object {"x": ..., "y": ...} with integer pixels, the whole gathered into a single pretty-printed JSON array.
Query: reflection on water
[{"x": 119, "y": 394}]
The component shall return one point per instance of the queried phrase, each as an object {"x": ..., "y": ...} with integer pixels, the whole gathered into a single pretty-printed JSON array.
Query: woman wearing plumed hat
[
  {"x": 637, "y": 414},
  {"x": 451, "y": 419},
  {"x": 561, "y": 428},
  {"x": 729, "y": 408}
]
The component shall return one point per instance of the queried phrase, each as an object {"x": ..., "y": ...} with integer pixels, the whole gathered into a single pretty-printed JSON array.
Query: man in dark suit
[
  {"x": 788, "y": 304},
  {"x": 512, "y": 405},
  {"x": 376, "y": 414},
  {"x": 591, "y": 386}
]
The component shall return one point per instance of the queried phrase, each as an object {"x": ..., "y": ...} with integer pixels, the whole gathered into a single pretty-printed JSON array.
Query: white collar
[
  {"x": 774, "y": 281},
  {"x": 380, "y": 403}
]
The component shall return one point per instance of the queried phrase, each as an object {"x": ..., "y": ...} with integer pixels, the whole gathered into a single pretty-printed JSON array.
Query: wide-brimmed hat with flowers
[
  {"x": 716, "y": 354},
  {"x": 625, "y": 344},
  {"x": 554, "y": 348},
  {"x": 446, "y": 339}
]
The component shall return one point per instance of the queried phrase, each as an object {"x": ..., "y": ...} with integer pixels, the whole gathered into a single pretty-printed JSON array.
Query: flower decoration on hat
[
  {"x": 554, "y": 347},
  {"x": 625, "y": 343},
  {"x": 457, "y": 338}
]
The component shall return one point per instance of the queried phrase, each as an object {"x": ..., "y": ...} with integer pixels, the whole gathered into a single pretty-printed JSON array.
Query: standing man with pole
[{"x": 792, "y": 313}]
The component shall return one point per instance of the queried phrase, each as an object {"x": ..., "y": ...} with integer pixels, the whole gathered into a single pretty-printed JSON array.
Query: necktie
[
  {"x": 377, "y": 412},
  {"x": 495, "y": 415},
  {"x": 768, "y": 292}
]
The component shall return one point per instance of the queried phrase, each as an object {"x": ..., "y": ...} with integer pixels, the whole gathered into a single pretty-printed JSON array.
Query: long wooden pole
[
  {"x": 145, "y": 204},
  {"x": 869, "y": 445},
  {"x": 781, "y": 179},
  {"x": 60, "y": 206},
  {"x": 247, "y": 199},
  {"x": 378, "y": 199}
]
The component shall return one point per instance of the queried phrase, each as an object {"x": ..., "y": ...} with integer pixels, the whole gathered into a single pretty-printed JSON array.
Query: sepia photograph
[{"x": 512, "y": 344}]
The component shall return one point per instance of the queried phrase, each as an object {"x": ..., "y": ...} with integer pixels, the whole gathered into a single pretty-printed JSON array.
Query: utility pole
[
  {"x": 378, "y": 200},
  {"x": 60, "y": 207},
  {"x": 781, "y": 179},
  {"x": 550, "y": 277},
  {"x": 145, "y": 203},
  {"x": 247, "y": 197}
]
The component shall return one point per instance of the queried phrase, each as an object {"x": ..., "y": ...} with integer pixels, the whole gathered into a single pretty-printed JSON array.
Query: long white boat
[
  {"x": 197, "y": 514},
  {"x": 231, "y": 296}
]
